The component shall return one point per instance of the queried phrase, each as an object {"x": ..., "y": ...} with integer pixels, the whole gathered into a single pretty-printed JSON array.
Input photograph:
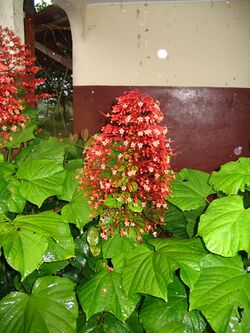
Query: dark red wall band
[{"x": 207, "y": 125}]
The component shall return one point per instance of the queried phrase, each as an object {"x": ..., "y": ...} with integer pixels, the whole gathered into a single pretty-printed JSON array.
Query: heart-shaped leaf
[
  {"x": 52, "y": 149},
  {"x": 185, "y": 254},
  {"x": 51, "y": 307},
  {"x": 225, "y": 226},
  {"x": 78, "y": 210},
  {"x": 173, "y": 316},
  {"x": 147, "y": 272},
  {"x": 222, "y": 293},
  {"x": 25, "y": 240},
  {"x": 104, "y": 292},
  {"x": 151, "y": 271},
  {"x": 232, "y": 177},
  {"x": 40, "y": 180},
  {"x": 190, "y": 189}
]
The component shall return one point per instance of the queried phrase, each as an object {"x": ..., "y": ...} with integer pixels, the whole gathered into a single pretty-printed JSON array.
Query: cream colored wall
[{"x": 208, "y": 45}]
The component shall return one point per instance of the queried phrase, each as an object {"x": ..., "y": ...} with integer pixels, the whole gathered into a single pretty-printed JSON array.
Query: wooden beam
[
  {"x": 42, "y": 27},
  {"x": 53, "y": 55}
]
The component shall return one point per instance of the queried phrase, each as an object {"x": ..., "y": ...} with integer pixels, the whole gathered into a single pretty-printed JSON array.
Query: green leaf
[
  {"x": 185, "y": 254},
  {"x": 135, "y": 206},
  {"x": 147, "y": 272},
  {"x": 25, "y": 240},
  {"x": 23, "y": 249},
  {"x": 78, "y": 210},
  {"x": 112, "y": 202},
  {"x": 4, "y": 195},
  {"x": 175, "y": 222},
  {"x": 52, "y": 308},
  {"x": 117, "y": 248},
  {"x": 173, "y": 316},
  {"x": 50, "y": 268},
  {"x": 62, "y": 249},
  {"x": 15, "y": 201},
  {"x": 193, "y": 217},
  {"x": 7, "y": 168},
  {"x": 225, "y": 226},
  {"x": 40, "y": 180},
  {"x": 69, "y": 186},
  {"x": 52, "y": 149},
  {"x": 1, "y": 157},
  {"x": 22, "y": 135},
  {"x": 93, "y": 236},
  {"x": 104, "y": 293},
  {"x": 232, "y": 177},
  {"x": 190, "y": 189},
  {"x": 10, "y": 197},
  {"x": 151, "y": 271},
  {"x": 106, "y": 323},
  {"x": 223, "y": 288}
]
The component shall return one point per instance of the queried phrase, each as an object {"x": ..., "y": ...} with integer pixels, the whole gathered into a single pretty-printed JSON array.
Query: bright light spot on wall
[{"x": 162, "y": 53}]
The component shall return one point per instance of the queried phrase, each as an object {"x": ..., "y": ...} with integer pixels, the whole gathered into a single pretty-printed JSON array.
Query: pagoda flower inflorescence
[
  {"x": 127, "y": 172},
  {"x": 17, "y": 83}
]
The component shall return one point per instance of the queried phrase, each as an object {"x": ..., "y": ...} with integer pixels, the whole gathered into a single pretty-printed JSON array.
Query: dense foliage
[{"x": 58, "y": 275}]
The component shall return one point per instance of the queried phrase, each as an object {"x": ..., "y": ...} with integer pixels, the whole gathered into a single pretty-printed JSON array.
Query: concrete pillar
[
  {"x": 76, "y": 11},
  {"x": 11, "y": 16}
]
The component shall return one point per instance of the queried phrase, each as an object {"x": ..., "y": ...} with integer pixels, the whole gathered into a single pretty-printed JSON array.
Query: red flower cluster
[
  {"x": 127, "y": 167},
  {"x": 17, "y": 83}
]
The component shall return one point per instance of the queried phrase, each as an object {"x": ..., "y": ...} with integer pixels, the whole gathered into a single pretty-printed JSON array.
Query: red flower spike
[
  {"x": 17, "y": 69},
  {"x": 127, "y": 170}
]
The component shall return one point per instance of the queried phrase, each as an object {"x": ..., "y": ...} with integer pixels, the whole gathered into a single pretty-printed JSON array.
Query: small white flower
[
  {"x": 156, "y": 143},
  {"x": 148, "y": 131},
  {"x": 157, "y": 175},
  {"x": 140, "y": 119},
  {"x": 121, "y": 131},
  {"x": 105, "y": 142},
  {"x": 140, "y": 104},
  {"x": 124, "y": 188},
  {"x": 132, "y": 144},
  {"x": 140, "y": 133},
  {"x": 103, "y": 166},
  {"x": 140, "y": 145},
  {"x": 114, "y": 172},
  {"x": 150, "y": 169},
  {"x": 120, "y": 156},
  {"x": 127, "y": 119},
  {"x": 146, "y": 187},
  {"x": 155, "y": 234}
]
